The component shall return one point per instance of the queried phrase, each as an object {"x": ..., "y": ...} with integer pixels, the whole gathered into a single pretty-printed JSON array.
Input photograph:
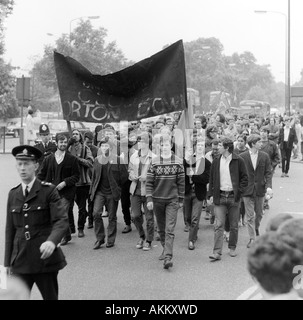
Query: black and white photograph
[{"x": 151, "y": 153}]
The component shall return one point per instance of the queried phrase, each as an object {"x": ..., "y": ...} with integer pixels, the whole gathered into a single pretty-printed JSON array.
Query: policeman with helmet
[{"x": 46, "y": 146}]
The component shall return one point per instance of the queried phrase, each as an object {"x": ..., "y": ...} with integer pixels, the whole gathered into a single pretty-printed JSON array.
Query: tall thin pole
[{"x": 288, "y": 62}]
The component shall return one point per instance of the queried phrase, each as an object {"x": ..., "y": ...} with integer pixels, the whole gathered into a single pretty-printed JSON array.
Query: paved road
[{"x": 124, "y": 272}]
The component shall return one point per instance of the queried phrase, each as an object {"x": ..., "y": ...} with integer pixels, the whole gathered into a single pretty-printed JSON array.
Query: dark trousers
[
  {"x": 285, "y": 155},
  {"x": 68, "y": 203},
  {"x": 193, "y": 209},
  {"x": 125, "y": 202},
  {"x": 112, "y": 206},
  {"x": 90, "y": 209},
  {"x": 81, "y": 200},
  {"x": 47, "y": 283},
  {"x": 228, "y": 209}
]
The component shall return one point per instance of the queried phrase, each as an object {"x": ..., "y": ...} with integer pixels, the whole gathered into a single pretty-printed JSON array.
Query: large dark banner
[{"x": 151, "y": 87}]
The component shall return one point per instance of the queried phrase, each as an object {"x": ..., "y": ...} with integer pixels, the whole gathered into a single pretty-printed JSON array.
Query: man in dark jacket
[
  {"x": 85, "y": 159},
  {"x": 36, "y": 222},
  {"x": 62, "y": 170},
  {"x": 197, "y": 170},
  {"x": 228, "y": 180},
  {"x": 287, "y": 139},
  {"x": 109, "y": 174},
  {"x": 259, "y": 183}
]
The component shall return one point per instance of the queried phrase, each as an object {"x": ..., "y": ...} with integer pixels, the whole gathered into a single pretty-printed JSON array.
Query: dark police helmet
[{"x": 43, "y": 129}]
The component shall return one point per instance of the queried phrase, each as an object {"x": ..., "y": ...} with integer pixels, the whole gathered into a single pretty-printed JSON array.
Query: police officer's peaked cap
[
  {"x": 43, "y": 129},
  {"x": 26, "y": 152}
]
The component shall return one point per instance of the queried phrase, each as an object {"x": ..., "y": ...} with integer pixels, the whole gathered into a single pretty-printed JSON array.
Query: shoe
[
  {"x": 191, "y": 245},
  {"x": 250, "y": 243},
  {"x": 286, "y": 175},
  {"x": 207, "y": 216},
  {"x": 283, "y": 175},
  {"x": 147, "y": 246},
  {"x": 104, "y": 214},
  {"x": 186, "y": 229},
  {"x": 90, "y": 226},
  {"x": 157, "y": 238},
  {"x": 65, "y": 240},
  {"x": 257, "y": 232},
  {"x": 226, "y": 236},
  {"x": 109, "y": 245},
  {"x": 167, "y": 264},
  {"x": 127, "y": 229},
  {"x": 80, "y": 233},
  {"x": 162, "y": 256},
  {"x": 266, "y": 206},
  {"x": 215, "y": 257},
  {"x": 140, "y": 244},
  {"x": 232, "y": 253},
  {"x": 98, "y": 244}
]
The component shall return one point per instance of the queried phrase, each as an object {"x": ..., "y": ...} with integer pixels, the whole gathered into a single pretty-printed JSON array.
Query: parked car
[
  {"x": 59, "y": 125},
  {"x": 13, "y": 127}
]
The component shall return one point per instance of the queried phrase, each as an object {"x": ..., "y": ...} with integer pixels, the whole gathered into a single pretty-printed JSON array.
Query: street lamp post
[
  {"x": 287, "y": 54},
  {"x": 70, "y": 26}
]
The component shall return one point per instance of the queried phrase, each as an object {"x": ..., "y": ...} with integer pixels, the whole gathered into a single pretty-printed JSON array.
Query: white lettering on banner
[
  {"x": 3, "y": 277},
  {"x": 76, "y": 106},
  {"x": 298, "y": 280},
  {"x": 112, "y": 106}
]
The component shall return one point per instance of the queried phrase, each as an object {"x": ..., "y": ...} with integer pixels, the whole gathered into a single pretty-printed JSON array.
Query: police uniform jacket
[
  {"x": 32, "y": 220},
  {"x": 46, "y": 150}
]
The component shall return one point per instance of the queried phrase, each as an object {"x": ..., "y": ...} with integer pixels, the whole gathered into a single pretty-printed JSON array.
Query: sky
[{"x": 142, "y": 27}]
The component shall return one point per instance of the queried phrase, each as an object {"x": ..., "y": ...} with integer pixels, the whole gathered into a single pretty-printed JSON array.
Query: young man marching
[
  {"x": 165, "y": 194},
  {"x": 228, "y": 180},
  {"x": 109, "y": 174}
]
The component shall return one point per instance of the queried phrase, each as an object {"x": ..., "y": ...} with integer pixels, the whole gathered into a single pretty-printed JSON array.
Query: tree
[
  {"x": 87, "y": 46},
  {"x": 8, "y": 103},
  {"x": 204, "y": 65}
]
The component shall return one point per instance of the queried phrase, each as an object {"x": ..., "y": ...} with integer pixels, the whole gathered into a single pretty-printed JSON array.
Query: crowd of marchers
[{"x": 223, "y": 166}]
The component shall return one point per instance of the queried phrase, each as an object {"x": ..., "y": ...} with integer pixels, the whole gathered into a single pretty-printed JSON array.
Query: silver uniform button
[
  {"x": 26, "y": 215},
  {"x": 39, "y": 208},
  {"x": 26, "y": 227}
]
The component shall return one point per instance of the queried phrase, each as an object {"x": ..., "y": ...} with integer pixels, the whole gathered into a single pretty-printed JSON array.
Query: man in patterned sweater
[{"x": 165, "y": 187}]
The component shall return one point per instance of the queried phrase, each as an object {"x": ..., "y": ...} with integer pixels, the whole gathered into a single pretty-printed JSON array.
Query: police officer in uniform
[
  {"x": 46, "y": 146},
  {"x": 35, "y": 224}
]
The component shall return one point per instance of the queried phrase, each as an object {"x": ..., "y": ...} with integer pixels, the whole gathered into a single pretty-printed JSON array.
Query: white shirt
[
  {"x": 225, "y": 178},
  {"x": 286, "y": 133},
  {"x": 27, "y": 185},
  {"x": 254, "y": 158},
  {"x": 59, "y": 157}
]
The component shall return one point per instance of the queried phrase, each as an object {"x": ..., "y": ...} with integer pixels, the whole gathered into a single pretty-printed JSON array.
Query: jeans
[
  {"x": 166, "y": 213},
  {"x": 81, "y": 201},
  {"x": 137, "y": 216},
  {"x": 193, "y": 209},
  {"x": 99, "y": 201},
  {"x": 230, "y": 209},
  {"x": 253, "y": 205}
]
